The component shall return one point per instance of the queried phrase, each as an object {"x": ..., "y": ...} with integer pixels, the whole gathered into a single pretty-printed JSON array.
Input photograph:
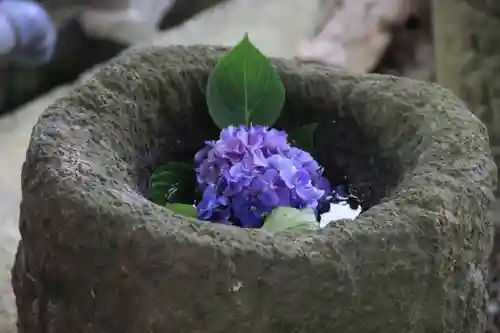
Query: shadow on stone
[
  {"x": 488, "y": 7},
  {"x": 183, "y": 10}
]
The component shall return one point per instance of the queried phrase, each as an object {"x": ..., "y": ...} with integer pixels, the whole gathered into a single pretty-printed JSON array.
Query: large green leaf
[
  {"x": 303, "y": 137},
  {"x": 288, "y": 218},
  {"x": 244, "y": 88},
  {"x": 173, "y": 182}
]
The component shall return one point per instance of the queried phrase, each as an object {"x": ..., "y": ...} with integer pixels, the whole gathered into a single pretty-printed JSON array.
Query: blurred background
[{"x": 47, "y": 45}]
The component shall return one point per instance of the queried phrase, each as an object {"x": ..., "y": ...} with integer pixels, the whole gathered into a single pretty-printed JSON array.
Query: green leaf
[
  {"x": 244, "y": 88},
  {"x": 304, "y": 137},
  {"x": 173, "y": 182},
  {"x": 288, "y": 218},
  {"x": 183, "y": 209}
]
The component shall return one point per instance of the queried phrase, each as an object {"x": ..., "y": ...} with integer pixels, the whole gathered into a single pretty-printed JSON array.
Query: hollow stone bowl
[{"x": 97, "y": 256}]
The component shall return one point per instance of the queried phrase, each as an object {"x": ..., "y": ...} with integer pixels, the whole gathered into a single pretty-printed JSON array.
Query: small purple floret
[{"x": 250, "y": 171}]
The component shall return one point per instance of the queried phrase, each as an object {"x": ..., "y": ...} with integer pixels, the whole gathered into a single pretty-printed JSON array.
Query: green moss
[{"x": 468, "y": 57}]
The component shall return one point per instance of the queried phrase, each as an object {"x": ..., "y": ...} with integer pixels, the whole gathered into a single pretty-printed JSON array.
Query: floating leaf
[
  {"x": 287, "y": 218},
  {"x": 244, "y": 88},
  {"x": 303, "y": 137},
  {"x": 183, "y": 209},
  {"x": 173, "y": 182}
]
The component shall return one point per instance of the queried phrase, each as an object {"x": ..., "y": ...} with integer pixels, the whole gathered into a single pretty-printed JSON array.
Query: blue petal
[
  {"x": 269, "y": 198},
  {"x": 258, "y": 158},
  {"x": 288, "y": 177},
  {"x": 309, "y": 193},
  {"x": 302, "y": 178}
]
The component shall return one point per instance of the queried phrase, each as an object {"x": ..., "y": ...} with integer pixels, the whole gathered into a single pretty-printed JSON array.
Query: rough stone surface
[
  {"x": 97, "y": 256},
  {"x": 491, "y": 7},
  {"x": 468, "y": 57},
  {"x": 411, "y": 51}
]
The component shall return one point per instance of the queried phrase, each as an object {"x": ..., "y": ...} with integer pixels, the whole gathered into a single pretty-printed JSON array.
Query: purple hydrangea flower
[{"x": 250, "y": 171}]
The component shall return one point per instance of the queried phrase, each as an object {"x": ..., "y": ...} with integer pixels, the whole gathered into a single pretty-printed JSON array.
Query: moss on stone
[
  {"x": 97, "y": 256},
  {"x": 468, "y": 57}
]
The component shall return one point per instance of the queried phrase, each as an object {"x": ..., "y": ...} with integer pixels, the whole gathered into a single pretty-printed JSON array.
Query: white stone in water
[{"x": 339, "y": 211}]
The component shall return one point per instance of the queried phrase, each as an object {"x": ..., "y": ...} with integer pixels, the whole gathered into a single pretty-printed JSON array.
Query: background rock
[
  {"x": 411, "y": 51},
  {"x": 468, "y": 62},
  {"x": 384, "y": 36},
  {"x": 468, "y": 58}
]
